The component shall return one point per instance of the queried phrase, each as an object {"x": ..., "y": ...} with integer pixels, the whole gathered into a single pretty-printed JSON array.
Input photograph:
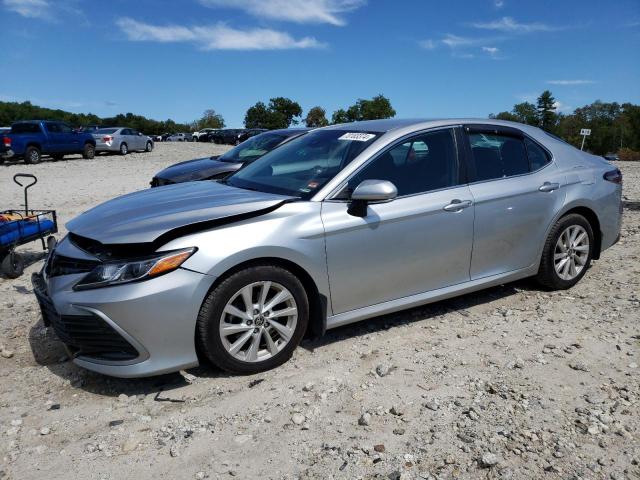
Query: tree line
[{"x": 614, "y": 127}]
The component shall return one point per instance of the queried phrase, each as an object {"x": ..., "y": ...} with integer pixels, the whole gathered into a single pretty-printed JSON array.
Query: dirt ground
[{"x": 511, "y": 382}]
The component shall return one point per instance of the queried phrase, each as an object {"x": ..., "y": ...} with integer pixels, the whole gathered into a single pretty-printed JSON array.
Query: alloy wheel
[
  {"x": 571, "y": 252},
  {"x": 258, "y": 321}
]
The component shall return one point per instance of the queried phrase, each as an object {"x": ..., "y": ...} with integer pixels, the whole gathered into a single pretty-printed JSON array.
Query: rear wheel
[
  {"x": 253, "y": 320},
  {"x": 32, "y": 155},
  {"x": 124, "y": 149},
  {"x": 149, "y": 147},
  {"x": 89, "y": 151},
  {"x": 13, "y": 265},
  {"x": 567, "y": 253}
]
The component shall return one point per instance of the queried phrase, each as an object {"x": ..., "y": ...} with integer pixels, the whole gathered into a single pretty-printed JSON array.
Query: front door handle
[
  {"x": 456, "y": 205},
  {"x": 549, "y": 187}
]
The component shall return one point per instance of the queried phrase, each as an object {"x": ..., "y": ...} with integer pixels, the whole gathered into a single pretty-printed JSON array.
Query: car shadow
[
  {"x": 49, "y": 352},
  {"x": 10, "y": 162}
]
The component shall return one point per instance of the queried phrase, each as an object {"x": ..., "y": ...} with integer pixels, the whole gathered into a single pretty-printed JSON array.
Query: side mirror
[{"x": 371, "y": 191}]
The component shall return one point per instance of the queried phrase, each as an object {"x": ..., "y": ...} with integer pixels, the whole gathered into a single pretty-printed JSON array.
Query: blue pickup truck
[{"x": 32, "y": 139}]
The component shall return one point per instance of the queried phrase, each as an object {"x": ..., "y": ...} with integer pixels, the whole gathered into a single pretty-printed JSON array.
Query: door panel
[
  {"x": 511, "y": 220},
  {"x": 404, "y": 247}
]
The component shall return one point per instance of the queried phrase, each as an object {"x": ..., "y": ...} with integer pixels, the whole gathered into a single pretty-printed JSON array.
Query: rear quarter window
[
  {"x": 25, "y": 128},
  {"x": 538, "y": 157}
]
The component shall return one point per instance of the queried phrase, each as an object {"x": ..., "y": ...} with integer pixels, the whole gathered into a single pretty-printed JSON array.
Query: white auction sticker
[{"x": 357, "y": 136}]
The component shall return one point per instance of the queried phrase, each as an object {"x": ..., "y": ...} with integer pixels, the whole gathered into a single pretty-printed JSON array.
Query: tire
[
  {"x": 13, "y": 265},
  {"x": 577, "y": 253},
  {"x": 124, "y": 149},
  {"x": 212, "y": 314},
  {"x": 149, "y": 147},
  {"x": 32, "y": 155},
  {"x": 57, "y": 157},
  {"x": 89, "y": 151}
]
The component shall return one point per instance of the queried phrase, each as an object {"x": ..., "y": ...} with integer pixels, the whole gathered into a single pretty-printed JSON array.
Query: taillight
[
  {"x": 107, "y": 138},
  {"x": 613, "y": 176},
  {"x": 6, "y": 141}
]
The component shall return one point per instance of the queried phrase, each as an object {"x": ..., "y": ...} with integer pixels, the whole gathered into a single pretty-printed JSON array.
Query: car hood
[
  {"x": 150, "y": 216},
  {"x": 198, "y": 169}
]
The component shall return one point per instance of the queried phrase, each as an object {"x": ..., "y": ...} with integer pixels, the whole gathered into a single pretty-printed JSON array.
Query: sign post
[{"x": 585, "y": 132}]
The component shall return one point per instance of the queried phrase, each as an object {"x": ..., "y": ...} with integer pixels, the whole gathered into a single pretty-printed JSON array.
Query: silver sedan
[
  {"x": 122, "y": 140},
  {"x": 340, "y": 225}
]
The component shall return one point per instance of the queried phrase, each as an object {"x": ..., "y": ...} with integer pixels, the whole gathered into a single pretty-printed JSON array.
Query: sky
[{"x": 431, "y": 58}]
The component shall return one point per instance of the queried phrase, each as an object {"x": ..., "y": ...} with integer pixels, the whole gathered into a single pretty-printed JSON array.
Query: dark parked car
[
  {"x": 233, "y": 136},
  {"x": 217, "y": 167}
]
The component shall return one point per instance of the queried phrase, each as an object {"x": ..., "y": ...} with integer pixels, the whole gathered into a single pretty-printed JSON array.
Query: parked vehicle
[
  {"x": 612, "y": 157},
  {"x": 164, "y": 136},
  {"x": 122, "y": 140},
  {"x": 226, "y": 136},
  {"x": 5, "y": 148},
  {"x": 179, "y": 137},
  {"x": 32, "y": 139},
  {"x": 220, "y": 166},
  {"x": 246, "y": 134},
  {"x": 339, "y": 225},
  {"x": 89, "y": 128},
  {"x": 202, "y": 134},
  {"x": 4, "y": 130}
]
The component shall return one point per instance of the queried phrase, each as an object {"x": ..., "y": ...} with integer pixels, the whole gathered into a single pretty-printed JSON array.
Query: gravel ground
[{"x": 511, "y": 382}]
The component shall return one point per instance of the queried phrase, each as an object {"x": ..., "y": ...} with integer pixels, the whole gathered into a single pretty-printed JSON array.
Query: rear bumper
[
  {"x": 7, "y": 153},
  {"x": 133, "y": 330},
  {"x": 104, "y": 147}
]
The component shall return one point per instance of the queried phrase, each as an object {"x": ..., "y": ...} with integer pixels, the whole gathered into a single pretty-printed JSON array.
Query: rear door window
[
  {"x": 538, "y": 157},
  {"x": 498, "y": 156}
]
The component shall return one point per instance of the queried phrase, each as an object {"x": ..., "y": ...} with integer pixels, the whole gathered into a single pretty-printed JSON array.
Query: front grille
[
  {"x": 85, "y": 335},
  {"x": 61, "y": 265},
  {"x": 90, "y": 336}
]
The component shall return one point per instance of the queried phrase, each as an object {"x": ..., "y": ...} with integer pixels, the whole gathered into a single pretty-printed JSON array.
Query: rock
[
  {"x": 365, "y": 419},
  {"x": 519, "y": 363},
  {"x": 201, "y": 475},
  {"x": 379, "y": 448},
  {"x": 432, "y": 405},
  {"x": 396, "y": 410},
  {"x": 488, "y": 460},
  {"x": 45, "y": 431},
  {"x": 123, "y": 398},
  {"x": 398, "y": 431},
  {"x": 308, "y": 387},
  {"x": 173, "y": 451},
  {"x": 298, "y": 418},
  {"x": 6, "y": 353},
  {"x": 579, "y": 366},
  {"x": 383, "y": 369}
]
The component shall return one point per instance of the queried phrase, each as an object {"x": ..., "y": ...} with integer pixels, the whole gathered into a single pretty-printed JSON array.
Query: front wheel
[
  {"x": 124, "y": 149},
  {"x": 13, "y": 265},
  {"x": 89, "y": 151},
  {"x": 567, "y": 253},
  {"x": 253, "y": 320}
]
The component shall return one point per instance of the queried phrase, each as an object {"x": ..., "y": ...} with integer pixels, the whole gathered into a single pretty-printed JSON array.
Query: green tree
[
  {"x": 547, "y": 111},
  {"x": 280, "y": 113},
  {"x": 376, "y": 108},
  {"x": 316, "y": 117},
  {"x": 340, "y": 116},
  {"x": 526, "y": 112},
  {"x": 504, "y": 116},
  {"x": 210, "y": 119},
  {"x": 287, "y": 108}
]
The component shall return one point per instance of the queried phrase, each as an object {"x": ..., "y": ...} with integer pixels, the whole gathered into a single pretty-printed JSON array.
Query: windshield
[
  {"x": 253, "y": 148},
  {"x": 106, "y": 130},
  {"x": 304, "y": 165}
]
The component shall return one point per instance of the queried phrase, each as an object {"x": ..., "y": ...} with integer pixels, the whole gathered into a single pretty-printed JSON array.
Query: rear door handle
[
  {"x": 549, "y": 187},
  {"x": 456, "y": 205}
]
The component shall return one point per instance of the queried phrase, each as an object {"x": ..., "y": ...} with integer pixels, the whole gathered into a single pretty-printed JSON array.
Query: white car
[
  {"x": 179, "y": 137},
  {"x": 199, "y": 135}
]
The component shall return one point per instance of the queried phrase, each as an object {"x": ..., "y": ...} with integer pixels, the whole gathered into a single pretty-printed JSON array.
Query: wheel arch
[
  {"x": 318, "y": 303},
  {"x": 593, "y": 220}
]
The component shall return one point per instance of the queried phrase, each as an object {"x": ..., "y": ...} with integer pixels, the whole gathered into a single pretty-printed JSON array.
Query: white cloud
[
  {"x": 561, "y": 107},
  {"x": 428, "y": 44},
  {"x": 499, "y": 3},
  {"x": 28, "y": 8},
  {"x": 299, "y": 11},
  {"x": 455, "y": 41},
  {"x": 508, "y": 24},
  {"x": 491, "y": 50},
  {"x": 216, "y": 37},
  {"x": 570, "y": 82}
]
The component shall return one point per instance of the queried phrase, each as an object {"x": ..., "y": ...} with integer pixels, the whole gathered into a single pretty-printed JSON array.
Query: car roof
[
  {"x": 289, "y": 131},
  {"x": 389, "y": 124}
]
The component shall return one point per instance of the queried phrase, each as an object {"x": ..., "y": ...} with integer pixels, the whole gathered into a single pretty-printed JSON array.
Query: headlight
[{"x": 125, "y": 271}]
